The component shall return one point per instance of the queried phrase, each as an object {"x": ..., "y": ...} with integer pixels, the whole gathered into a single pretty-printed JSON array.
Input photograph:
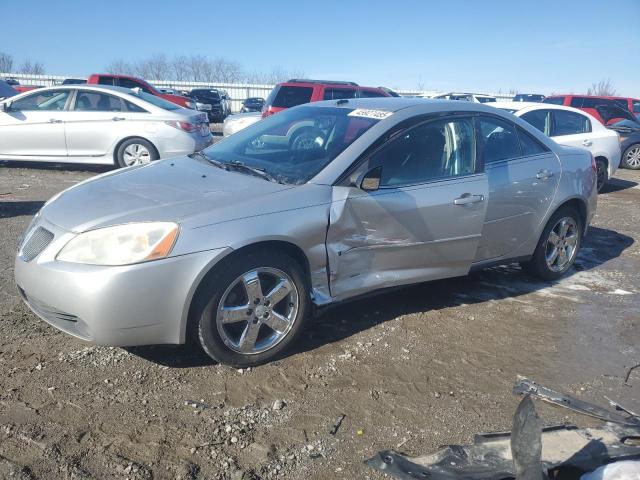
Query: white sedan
[
  {"x": 97, "y": 124},
  {"x": 575, "y": 128}
]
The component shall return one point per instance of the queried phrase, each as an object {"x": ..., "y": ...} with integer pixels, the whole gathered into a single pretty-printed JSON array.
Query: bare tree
[
  {"x": 602, "y": 89},
  {"x": 6, "y": 63},
  {"x": 198, "y": 68},
  {"x": 155, "y": 67},
  {"x": 33, "y": 68},
  {"x": 179, "y": 68},
  {"x": 120, "y": 67}
]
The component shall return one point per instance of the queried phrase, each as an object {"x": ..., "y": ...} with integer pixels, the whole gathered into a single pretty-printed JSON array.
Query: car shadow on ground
[
  {"x": 19, "y": 208},
  {"x": 351, "y": 317},
  {"x": 68, "y": 167},
  {"x": 616, "y": 185}
]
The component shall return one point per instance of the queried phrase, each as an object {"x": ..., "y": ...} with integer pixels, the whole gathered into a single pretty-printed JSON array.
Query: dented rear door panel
[{"x": 396, "y": 236}]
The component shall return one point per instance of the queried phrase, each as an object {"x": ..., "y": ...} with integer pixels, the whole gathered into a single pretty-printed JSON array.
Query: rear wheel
[
  {"x": 135, "y": 151},
  {"x": 558, "y": 246},
  {"x": 631, "y": 157},
  {"x": 602, "y": 173},
  {"x": 252, "y": 309}
]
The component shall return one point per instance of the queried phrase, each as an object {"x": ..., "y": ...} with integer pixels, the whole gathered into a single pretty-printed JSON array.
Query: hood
[
  {"x": 625, "y": 126},
  {"x": 175, "y": 190},
  {"x": 612, "y": 112}
]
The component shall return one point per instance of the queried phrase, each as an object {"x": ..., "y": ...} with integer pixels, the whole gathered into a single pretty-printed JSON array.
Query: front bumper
[{"x": 141, "y": 304}]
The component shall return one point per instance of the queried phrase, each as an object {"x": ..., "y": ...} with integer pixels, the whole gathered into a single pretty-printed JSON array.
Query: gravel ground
[{"x": 411, "y": 369}]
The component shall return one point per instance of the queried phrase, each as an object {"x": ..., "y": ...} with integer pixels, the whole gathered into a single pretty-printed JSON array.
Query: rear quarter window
[{"x": 292, "y": 96}]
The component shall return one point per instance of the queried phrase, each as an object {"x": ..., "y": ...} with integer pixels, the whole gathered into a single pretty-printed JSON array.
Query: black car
[
  {"x": 628, "y": 127},
  {"x": 528, "y": 97},
  {"x": 209, "y": 97},
  {"x": 6, "y": 90},
  {"x": 253, "y": 104}
]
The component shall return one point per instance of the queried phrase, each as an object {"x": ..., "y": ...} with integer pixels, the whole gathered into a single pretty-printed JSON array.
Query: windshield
[
  {"x": 486, "y": 99},
  {"x": 157, "y": 101},
  {"x": 294, "y": 145}
]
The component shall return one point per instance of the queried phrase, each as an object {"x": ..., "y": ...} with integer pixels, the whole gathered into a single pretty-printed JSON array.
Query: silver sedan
[
  {"x": 97, "y": 124},
  {"x": 233, "y": 247}
]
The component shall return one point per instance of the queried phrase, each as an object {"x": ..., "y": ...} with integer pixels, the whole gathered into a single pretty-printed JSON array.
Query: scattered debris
[
  {"x": 336, "y": 426},
  {"x": 524, "y": 386}
]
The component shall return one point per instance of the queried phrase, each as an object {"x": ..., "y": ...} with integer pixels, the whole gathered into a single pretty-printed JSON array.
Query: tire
[
  {"x": 539, "y": 265},
  {"x": 602, "y": 174},
  {"x": 126, "y": 155},
  {"x": 245, "y": 343},
  {"x": 631, "y": 157}
]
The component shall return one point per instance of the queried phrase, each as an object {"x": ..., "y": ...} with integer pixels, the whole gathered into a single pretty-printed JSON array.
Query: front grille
[{"x": 35, "y": 243}]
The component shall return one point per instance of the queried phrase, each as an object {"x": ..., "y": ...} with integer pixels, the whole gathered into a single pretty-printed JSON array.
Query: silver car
[
  {"x": 233, "y": 247},
  {"x": 97, "y": 124}
]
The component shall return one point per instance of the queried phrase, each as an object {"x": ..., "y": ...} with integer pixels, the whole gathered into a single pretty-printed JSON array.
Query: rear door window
[
  {"x": 291, "y": 96},
  {"x": 554, "y": 100},
  {"x": 97, "y": 102},
  {"x": 530, "y": 145},
  {"x": 569, "y": 123},
  {"x": 370, "y": 94},
  {"x": 499, "y": 140},
  {"x": 106, "y": 80},
  {"x": 338, "y": 93},
  {"x": 540, "y": 119},
  {"x": 577, "y": 102}
]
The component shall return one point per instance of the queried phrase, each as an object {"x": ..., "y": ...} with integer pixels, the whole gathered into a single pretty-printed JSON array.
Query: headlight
[{"x": 122, "y": 244}]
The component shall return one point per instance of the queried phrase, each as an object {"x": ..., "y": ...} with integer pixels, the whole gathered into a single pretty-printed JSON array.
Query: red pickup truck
[{"x": 133, "y": 82}]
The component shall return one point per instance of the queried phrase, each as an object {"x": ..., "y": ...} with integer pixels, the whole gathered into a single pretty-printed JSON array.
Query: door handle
[
  {"x": 587, "y": 143},
  {"x": 544, "y": 174},
  {"x": 53, "y": 120},
  {"x": 118, "y": 119},
  {"x": 467, "y": 199}
]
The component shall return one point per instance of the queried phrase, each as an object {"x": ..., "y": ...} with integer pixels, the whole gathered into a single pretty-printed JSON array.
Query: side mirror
[
  {"x": 6, "y": 107},
  {"x": 370, "y": 181}
]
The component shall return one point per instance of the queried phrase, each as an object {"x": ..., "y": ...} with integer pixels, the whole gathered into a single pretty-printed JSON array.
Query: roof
[
  {"x": 517, "y": 106},
  {"x": 395, "y": 104}
]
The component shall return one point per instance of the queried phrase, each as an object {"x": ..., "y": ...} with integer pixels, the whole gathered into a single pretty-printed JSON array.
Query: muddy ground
[{"x": 411, "y": 369}]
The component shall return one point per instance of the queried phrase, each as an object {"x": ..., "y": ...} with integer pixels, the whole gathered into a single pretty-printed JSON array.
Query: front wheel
[
  {"x": 558, "y": 246},
  {"x": 631, "y": 157},
  {"x": 252, "y": 309}
]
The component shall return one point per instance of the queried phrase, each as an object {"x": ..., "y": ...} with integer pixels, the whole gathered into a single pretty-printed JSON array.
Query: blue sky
[{"x": 532, "y": 46}]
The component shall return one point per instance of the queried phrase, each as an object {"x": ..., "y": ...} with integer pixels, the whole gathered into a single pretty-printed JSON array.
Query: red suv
[
  {"x": 588, "y": 103},
  {"x": 296, "y": 92},
  {"x": 133, "y": 82}
]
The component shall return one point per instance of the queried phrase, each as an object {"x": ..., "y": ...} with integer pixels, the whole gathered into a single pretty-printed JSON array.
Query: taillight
[
  {"x": 184, "y": 126},
  {"x": 266, "y": 111},
  {"x": 593, "y": 163}
]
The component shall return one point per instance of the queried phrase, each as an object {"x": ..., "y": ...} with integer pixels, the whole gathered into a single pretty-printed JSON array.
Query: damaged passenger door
[{"x": 410, "y": 211}]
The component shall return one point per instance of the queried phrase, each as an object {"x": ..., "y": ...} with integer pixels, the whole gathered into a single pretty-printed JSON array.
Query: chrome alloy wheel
[
  {"x": 257, "y": 311},
  {"x": 633, "y": 157},
  {"x": 562, "y": 244},
  {"x": 136, "y": 154}
]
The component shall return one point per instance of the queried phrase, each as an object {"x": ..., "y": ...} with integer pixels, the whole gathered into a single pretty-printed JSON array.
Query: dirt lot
[{"x": 410, "y": 370}]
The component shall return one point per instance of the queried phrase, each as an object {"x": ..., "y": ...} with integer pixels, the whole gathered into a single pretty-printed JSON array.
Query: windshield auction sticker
[{"x": 370, "y": 113}]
